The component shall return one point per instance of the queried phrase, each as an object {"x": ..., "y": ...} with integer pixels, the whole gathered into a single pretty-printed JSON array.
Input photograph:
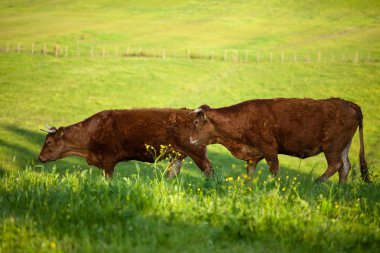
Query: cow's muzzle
[
  {"x": 42, "y": 159},
  {"x": 192, "y": 141}
]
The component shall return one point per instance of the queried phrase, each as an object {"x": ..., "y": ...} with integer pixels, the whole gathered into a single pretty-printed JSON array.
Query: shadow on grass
[{"x": 2, "y": 171}]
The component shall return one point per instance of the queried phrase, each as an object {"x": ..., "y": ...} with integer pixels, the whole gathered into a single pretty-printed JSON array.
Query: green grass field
[{"x": 67, "y": 206}]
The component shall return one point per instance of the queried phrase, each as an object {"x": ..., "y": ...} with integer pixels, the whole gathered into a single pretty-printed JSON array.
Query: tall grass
[{"x": 84, "y": 212}]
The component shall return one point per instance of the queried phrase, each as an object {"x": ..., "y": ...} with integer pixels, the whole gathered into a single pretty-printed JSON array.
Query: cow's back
[
  {"x": 125, "y": 132},
  {"x": 300, "y": 127}
]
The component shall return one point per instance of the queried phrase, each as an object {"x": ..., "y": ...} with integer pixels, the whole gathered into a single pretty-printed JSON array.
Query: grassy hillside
[
  {"x": 66, "y": 206},
  {"x": 256, "y": 25}
]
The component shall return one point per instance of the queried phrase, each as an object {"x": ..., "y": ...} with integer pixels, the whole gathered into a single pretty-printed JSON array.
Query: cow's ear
[
  {"x": 204, "y": 107},
  {"x": 61, "y": 132},
  {"x": 200, "y": 113},
  {"x": 203, "y": 115}
]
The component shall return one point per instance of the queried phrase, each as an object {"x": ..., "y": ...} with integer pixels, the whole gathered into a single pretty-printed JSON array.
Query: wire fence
[{"x": 231, "y": 55}]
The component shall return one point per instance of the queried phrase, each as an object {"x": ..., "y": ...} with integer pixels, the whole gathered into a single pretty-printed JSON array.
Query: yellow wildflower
[
  {"x": 53, "y": 245},
  {"x": 229, "y": 179}
]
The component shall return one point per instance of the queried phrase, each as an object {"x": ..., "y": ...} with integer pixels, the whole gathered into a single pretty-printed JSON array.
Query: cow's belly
[
  {"x": 243, "y": 152},
  {"x": 301, "y": 152}
]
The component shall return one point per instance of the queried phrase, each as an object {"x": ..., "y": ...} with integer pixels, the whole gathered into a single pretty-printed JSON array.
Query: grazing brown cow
[
  {"x": 262, "y": 129},
  {"x": 109, "y": 137}
]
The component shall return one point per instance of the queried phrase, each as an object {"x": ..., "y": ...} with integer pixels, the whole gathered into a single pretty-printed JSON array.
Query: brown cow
[
  {"x": 262, "y": 129},
  {"x": 109, "y": 137}
]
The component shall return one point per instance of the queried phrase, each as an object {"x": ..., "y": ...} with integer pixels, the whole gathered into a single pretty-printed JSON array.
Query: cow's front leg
[
  {"x": 174, "y": 168},
  {"x": 108, "y": 169},
  {"x": 204, "y": 164}
]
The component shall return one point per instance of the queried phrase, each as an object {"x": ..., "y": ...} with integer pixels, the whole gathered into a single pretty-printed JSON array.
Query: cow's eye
[
  {"x": 196, "y": 122},
  {"x": 48, "y": 143}
]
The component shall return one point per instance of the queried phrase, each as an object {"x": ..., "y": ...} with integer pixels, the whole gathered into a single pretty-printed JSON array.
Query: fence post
[
  {"x": 356, "y": 57},
  {"x": 18, "y": 48},
  {"x": 56, "y": 49}
]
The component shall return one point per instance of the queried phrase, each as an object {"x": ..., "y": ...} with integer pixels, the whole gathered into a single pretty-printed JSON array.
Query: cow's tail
[{"x": 363, "y": 163}]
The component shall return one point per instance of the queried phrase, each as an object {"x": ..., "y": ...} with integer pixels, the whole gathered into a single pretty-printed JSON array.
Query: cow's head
[
  {"x": 54, "y": 146},
  {"x": 204, "y": 130}
]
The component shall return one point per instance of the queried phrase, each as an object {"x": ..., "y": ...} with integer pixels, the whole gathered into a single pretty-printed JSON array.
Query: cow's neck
[
  {"x": 78, "y": 139},
  {"x": 227, "y": 127}
]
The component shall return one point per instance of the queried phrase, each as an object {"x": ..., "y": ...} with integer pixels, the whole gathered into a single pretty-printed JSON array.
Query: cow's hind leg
[
  {"x": 273, "y": 164},
  {"x": 251, "y": 165},
  {"x": 345, "y": 169},
  {"x": 334, "y": 162}
]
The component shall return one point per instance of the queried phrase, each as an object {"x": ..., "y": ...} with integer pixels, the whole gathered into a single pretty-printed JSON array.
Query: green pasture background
[{"x": 36, "y": 89}]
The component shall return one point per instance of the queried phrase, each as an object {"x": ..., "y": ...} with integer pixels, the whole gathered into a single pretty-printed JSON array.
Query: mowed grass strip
[{"x": 273, "y": 25}]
